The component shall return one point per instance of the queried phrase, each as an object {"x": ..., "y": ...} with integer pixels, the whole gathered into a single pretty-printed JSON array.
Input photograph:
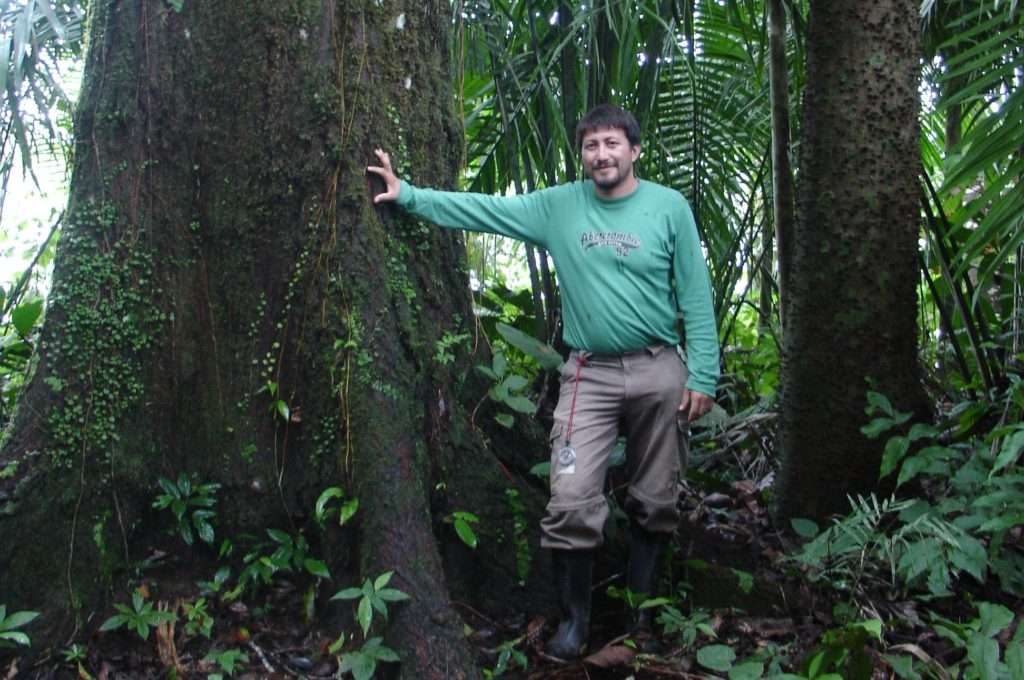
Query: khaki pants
[{"x": 635, "y": 394}]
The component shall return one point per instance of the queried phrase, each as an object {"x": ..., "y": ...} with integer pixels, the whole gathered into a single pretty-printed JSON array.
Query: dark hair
[{"x": 608, "y": 116}]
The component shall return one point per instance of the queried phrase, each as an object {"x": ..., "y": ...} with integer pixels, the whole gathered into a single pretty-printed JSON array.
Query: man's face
[{"x": 608, "y": 158}]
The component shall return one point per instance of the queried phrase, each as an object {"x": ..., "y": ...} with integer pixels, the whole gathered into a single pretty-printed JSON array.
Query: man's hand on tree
[
  {"x": 695, "y": 404},
  {"x": 384, "y": 171}
]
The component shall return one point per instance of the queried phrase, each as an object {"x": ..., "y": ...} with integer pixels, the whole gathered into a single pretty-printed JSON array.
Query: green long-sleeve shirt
[{"x": 624, "y": 265}]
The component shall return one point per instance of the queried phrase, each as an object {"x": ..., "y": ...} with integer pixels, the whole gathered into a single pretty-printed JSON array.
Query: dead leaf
[
  {"x": 611, "y": 656},
  {"x": 745, "y": 487},
  {"x": 767, "y": 628},
  {"x": 534, "y": 628},
  {"x": 12, "y": 670}
]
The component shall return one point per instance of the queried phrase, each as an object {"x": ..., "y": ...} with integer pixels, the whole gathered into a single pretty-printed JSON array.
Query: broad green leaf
[
  {"x": 912, "y": 467},
  {"x": 364, "y": 614},
  {"x": 498, "y": 393},
  {"x": 16, "y": 637},
  {"x": 465, "y": 532},
  {"x": 514, "y": 383},
  {"x": 282, "y": 409},
  {"x": 877, "y": 426},
  {"x": 542, "y": 470},
  {"x": 348, "y": 510},
  {"x": 983, "y": 653},
  {"x": 392, "y": 595},
  {"x": 168, "y": 486},
  {"x": 325, "y": 497},
  {"x": 487, "y": 372},
  {"x": 872, "y": 627},
  {"x": 279, "y": 536},
  {"x": 386, "y": 654},
  {"x": 994, "y": 618},
  {"x": 1015, "y": 659},
  {"x": 205, "y": 530},
  {"x": 748, "y": 670},
  {"x": 362, "y": 666},
  {"x": 919, "y": 557},
  {"x": 895, "y": 449},
  {"x": 716, "y": 657},
  {"x": 816, "y": 664},
  {"x": 113, "y": 623},
  {"x": 880, "y": 402},
  {"x": 506, "y": 420},
  {"x": 1001, "y": 523},
  {"x": 1010, "y": 452},
  {"x": 903, "y": 666},
  {"x": 317, "y": 568},
  {"x": 745, "y": 580},
  {"x": 498, "y": 365},
  {"x": 382, "y": 580},
  {"x": 804, "y": 527},
  {"x": 521, "y": 404},
  {"x": 347, "y": 594},
  {"x": 920, "y": 431},
  {"x": 17, "y": 620},
  {"x": 971, "y": 557},
  {"x": 545, "y": 355}
]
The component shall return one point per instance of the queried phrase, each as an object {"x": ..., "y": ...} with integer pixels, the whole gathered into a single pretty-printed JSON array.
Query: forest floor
[{"x": 738, "y": 607}]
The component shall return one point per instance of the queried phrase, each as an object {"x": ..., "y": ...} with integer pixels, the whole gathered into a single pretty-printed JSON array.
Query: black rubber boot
[
  {"x": 572, "y": 569},
  {"x": 645, "y": 550}
]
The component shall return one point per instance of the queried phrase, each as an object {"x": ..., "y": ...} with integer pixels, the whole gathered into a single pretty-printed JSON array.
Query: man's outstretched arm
[
  {"x": 524, "y": 217},
  {"x": 392, "y": 185}
]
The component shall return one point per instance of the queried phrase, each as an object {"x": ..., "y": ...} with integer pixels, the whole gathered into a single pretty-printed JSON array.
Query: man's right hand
[{"x": 384, "y": 171}]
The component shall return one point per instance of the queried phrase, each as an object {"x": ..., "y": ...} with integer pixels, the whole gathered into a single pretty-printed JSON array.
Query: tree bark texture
[
  {"x": 850, "y": 310},
  {"x": 221, "y": 254}
]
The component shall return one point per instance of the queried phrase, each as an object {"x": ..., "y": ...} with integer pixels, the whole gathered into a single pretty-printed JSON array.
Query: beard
[{"x": 609, "y": 180}]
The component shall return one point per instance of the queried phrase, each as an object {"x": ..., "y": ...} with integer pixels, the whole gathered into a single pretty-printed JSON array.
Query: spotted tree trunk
[
  {"x": 228, "y": 303},
  {"x": 850, "y": 310}
]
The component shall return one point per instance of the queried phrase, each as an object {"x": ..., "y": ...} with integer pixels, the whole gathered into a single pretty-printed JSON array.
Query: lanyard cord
[{"x": 580, "y": 360}]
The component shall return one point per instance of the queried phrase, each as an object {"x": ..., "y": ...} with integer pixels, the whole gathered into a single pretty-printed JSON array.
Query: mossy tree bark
[
  {"x": 220, "y": 238},
  {"x": 850, "y": 310}
]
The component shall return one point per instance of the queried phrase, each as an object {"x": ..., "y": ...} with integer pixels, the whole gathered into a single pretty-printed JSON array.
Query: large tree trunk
[
  {"x": 220, "y": 237},
  {"x": 850, "y": 309}
]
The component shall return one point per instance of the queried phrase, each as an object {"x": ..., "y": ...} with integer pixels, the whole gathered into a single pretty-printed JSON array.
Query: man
[{"x": 628, "y": 257}]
